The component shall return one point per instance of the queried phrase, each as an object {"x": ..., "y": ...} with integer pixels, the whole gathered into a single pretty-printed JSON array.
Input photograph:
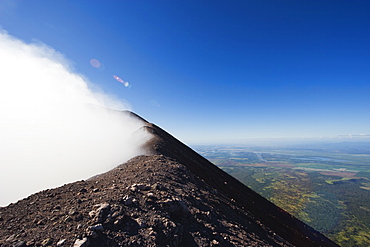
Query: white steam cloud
[{"x": 53, "y": 128}]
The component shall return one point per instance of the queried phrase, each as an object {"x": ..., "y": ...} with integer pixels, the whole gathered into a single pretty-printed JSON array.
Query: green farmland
[{"x": 326, "y": 187}]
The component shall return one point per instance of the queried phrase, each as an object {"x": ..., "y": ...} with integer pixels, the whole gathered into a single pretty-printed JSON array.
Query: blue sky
[{"x": 217, "y": 71}]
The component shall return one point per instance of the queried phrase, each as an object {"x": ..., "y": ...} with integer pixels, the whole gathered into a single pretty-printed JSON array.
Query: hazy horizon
[{"x": 253, "y": 142}]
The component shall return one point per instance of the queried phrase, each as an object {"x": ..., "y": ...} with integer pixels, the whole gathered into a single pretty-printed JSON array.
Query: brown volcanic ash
[{"x": 173, "y": 197}]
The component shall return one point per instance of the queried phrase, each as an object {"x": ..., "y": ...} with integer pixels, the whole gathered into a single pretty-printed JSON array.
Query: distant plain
[{"x": 326, "y": 185}]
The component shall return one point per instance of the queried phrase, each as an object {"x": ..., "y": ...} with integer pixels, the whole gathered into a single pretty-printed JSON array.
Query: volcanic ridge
[{"x": 170, "y": 197}]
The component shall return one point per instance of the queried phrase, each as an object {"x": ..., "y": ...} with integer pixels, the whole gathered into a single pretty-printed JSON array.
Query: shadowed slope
[{"x": 282, "y": 223}]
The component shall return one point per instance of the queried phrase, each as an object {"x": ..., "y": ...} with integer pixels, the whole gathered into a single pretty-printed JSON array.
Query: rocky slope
[{"x": 171, "y": 197}]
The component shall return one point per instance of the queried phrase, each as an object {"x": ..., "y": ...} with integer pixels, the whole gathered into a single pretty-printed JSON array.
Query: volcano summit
[{"x": 170, "y": 197}]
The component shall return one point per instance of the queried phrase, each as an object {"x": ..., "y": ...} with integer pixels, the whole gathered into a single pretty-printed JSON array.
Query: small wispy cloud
[
  {"x": 355, "y": 136},
  {"x": 54, "y": 128}
]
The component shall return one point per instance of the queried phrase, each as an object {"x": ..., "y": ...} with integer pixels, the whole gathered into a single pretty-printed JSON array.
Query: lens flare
[
  {"x": 125, "y": 83},
  {"x": 118, "y": 79},
  {"x": 95, "y": 63}
]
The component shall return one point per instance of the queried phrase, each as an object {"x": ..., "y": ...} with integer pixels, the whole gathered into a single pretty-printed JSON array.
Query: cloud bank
[{"x": 53, "y": 128}]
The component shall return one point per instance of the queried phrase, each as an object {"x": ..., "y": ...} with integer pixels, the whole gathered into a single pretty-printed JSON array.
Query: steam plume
[{"x": 53, "y": 128}]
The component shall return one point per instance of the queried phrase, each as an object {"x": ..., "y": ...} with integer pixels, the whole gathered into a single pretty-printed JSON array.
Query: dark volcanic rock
[{"x": 173, "y": 197}]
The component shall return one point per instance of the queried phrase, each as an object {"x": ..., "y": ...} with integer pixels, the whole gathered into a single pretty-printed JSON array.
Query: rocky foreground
[{"x": 172, "y": 197}]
